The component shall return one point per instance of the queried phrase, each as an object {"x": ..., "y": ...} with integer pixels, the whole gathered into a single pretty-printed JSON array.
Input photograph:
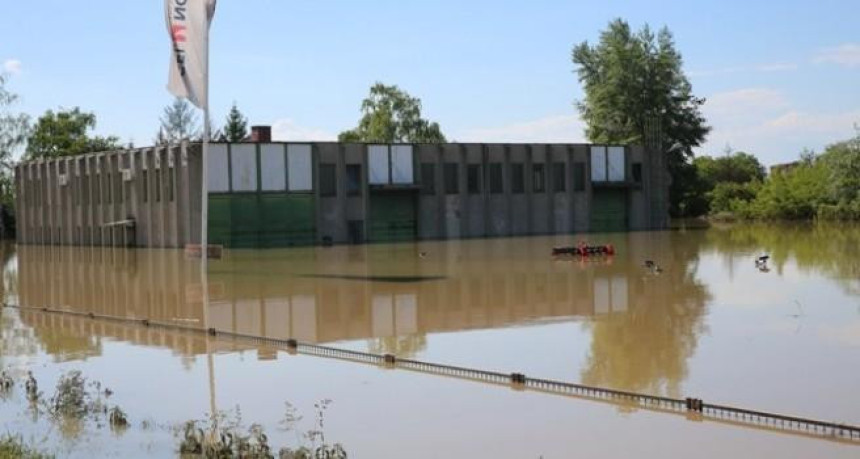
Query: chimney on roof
[{"x": 261, "y": 134}]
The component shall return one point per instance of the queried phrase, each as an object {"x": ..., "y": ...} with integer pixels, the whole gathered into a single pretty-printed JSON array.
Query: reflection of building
[
  {"x": 276, "y": 195},
  {"x": 645, "y": 326}
]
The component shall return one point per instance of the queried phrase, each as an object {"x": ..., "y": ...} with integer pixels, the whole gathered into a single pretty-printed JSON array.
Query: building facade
[{"x": 287, "y": 194}]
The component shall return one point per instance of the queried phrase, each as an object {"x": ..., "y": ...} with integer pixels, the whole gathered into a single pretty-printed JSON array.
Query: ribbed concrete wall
[{"x": 460, "y": 191}]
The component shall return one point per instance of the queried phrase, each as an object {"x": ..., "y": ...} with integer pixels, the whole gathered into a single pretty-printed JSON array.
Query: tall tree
[
  {"x": 633, "y": 82},
  {"x": 66, "y": 133},
  {"x": 179, "y": 122},
  {"x": 236, "y": 127},
  {"x": 391, "y": 115},
  {"x": 14, "y": 129}
]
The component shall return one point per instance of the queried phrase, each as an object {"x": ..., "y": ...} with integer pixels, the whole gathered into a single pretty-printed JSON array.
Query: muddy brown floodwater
[{"x": 709, "y": 324}]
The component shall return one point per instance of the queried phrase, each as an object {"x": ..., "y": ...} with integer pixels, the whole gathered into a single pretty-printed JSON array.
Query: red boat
[{"x": 583, "y": 250}]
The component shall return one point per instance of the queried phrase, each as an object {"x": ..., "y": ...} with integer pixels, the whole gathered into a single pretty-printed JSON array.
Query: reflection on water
[
  {"x": 643, "y": 328},
  {"x": 710, "y": 324}
]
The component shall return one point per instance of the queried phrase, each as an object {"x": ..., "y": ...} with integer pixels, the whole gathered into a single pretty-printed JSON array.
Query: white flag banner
[{"x": 188, "y": 26}]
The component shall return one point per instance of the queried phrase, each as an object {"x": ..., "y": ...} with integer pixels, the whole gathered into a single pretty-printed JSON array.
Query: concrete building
[{"x": 265, "y": 194}]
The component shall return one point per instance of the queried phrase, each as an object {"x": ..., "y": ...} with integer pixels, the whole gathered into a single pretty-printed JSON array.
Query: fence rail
[{"x": 691, "y": 407}]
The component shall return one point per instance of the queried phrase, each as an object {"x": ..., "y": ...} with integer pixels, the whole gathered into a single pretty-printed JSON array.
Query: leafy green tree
[
  {"x": 738, "y": 167},
  {"x": 236, "y": 127},
  {"x": 178, "y": 122},
  {"x": 14, "y": 129},
  {"x": 633, "y": 82},
  {"x": 65, "y": 133},
  {"x": 843, "y": 163},
  {"x": 391, "y": 115}
]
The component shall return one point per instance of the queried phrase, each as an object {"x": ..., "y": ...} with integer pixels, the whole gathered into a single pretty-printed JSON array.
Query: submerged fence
[{"x": 693, "y": 408}]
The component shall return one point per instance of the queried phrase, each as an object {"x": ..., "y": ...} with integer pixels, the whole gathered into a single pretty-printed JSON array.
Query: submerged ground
[{"x": 709, "y": 323}]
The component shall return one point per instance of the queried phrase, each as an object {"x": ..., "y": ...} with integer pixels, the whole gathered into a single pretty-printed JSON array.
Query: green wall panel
[
  {"x": 246, "y": 221},
  {"x": 219, "y": 219},
  {"x": 254, "y": 220},
  {"x": 392, "y": 217},
  {"x": 609, "y": 210}
]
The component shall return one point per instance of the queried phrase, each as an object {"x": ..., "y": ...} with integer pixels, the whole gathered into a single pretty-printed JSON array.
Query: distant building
[
  {"x": 264, "y": 194},
  {"x": 784, "y": 167}
]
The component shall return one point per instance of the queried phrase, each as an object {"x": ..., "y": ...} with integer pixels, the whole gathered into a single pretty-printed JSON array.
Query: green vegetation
[
  {"x": 14, "y": 129},
  {"x": 64, "y": 133},
  {"x": 825, "y": 186},
  {"x": 391, "y": 115},
  {"x": 178, "y": 122},
  {"x": 13, "y": 447},
  {"x": 636, "y": 92},
  {"x": 236, "y": 127}
]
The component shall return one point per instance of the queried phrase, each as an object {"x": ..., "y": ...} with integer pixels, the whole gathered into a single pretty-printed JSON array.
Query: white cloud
[
  {"x": 764, "y": 122},
  {"x": 12, "y": 66},
  {"x": 550, "y": 129},
  {"x": 846, "y": 55},
  {"x": 777, "y": 67},
  {"x": 744, "y": 101},
  {"x": 286, "y": 129}
]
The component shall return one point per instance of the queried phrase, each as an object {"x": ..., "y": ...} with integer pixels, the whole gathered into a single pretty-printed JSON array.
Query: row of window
[
  {"x": 475, "y": 180},
  {"x": 494, "y": 178},
  {"x": 278, "y": 168}
]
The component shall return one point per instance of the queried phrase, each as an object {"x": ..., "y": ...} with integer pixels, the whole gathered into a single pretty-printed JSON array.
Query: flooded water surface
[{"x": 705, "y": 320}]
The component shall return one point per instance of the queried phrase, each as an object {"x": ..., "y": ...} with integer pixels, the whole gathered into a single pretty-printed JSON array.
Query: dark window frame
[{"x": 579, "y": 176}]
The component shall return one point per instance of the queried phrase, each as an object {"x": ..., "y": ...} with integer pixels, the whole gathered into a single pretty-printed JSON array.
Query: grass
[{"x": 14, "y": 447}]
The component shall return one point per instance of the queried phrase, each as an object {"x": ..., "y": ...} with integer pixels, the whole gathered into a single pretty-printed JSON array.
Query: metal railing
[{"x": 693, "y": 408}]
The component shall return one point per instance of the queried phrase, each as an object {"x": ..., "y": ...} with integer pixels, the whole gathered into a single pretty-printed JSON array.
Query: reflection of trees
[
  {"x": 646, "y": 347},
  {"x": 833, "y": 250},
  {"x": 402, "y": 346}
]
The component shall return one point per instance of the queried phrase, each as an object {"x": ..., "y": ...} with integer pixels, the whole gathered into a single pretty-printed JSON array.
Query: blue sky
[{"x": 779, "y": 77}]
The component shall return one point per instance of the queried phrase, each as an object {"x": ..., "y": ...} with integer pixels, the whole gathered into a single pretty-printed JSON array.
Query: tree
[
  {"x": 633, "y": 82},
  {"x": 738, "y": 167},
  {"x": 179, "y": 122},
  {"x": 236, "y": 127},
  {"x": 391, "y": 115},
  {"x": 14, "y": 127},
  {"x": 64, "y": 133}
]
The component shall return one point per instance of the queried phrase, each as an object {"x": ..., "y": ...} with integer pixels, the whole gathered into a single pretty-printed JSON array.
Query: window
[
  {"x": 145, "y": 186},
  {"x": 218, "y": 175},
  {"x": 579, "y": 176},
  {"x": 558, "y": 177},
  {"x": 473, "y": 178},
  {"x": 158, "y": 185},
  {"x": 615, "y": 164},
  {"x": 328, "y": 180},
  {"x": 598, "y": 164},
  {"x": 243, "y": 166},
  {"x": 401, "y": 164},
  {"x": 607, "y": 164},
  {"x": 428, "y": 178},
  {"x": 273, "y": 168},
  {"x": 496, "y": 183},
  {"x": 518, "y": 185},
  {"x": 377, "y": 159},
  {"x": 299, "y": 168},
  {"x": 452, "y": 178},
  {"x": 353, "y": 179},
  {"x": 637, "y": 172},
  {"x": 538, "y": 178}
]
